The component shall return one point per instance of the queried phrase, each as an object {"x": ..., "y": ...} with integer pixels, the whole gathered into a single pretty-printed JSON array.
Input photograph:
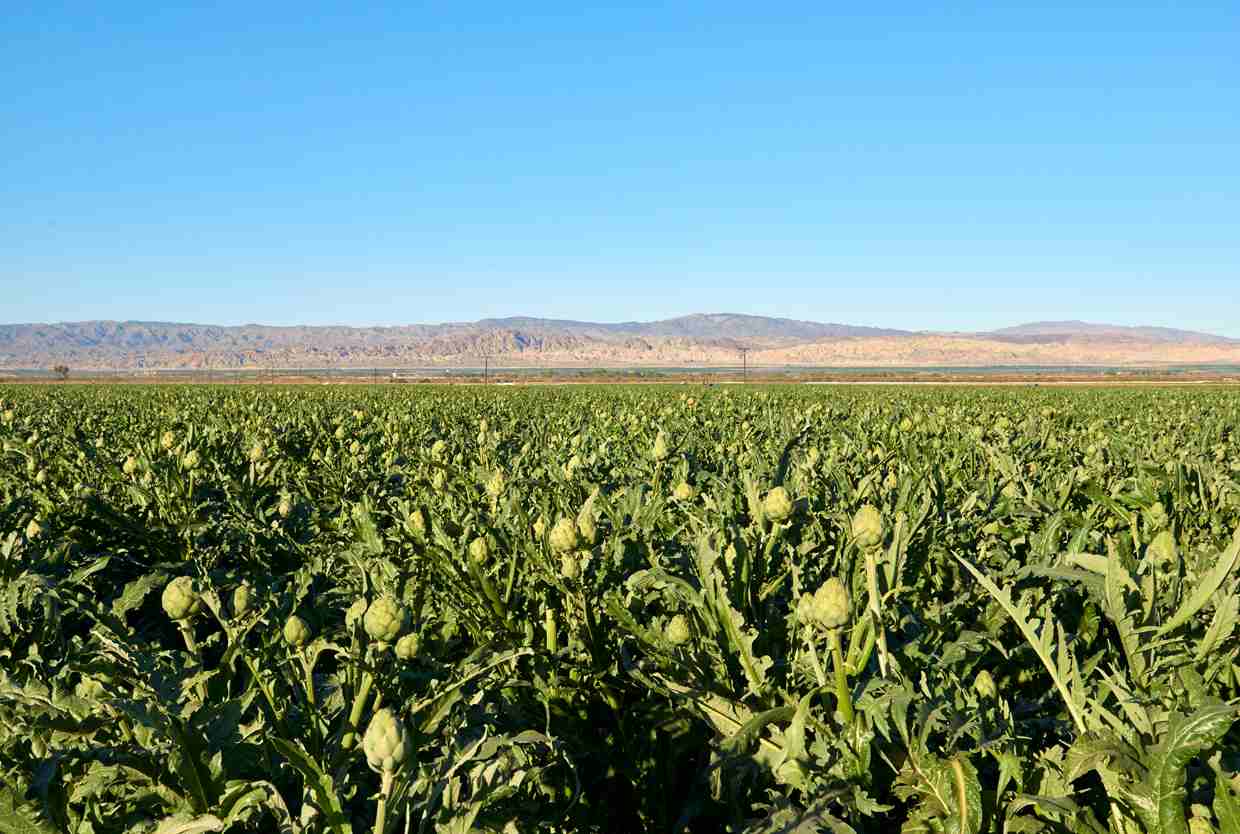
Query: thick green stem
[
  {"x": 875, "y": 607},
  {"x": 187, "y": 634},
  {"x": 276, "y": 717},
  {"x": 553, "y": 642},
  {"x": 309, "y": 670},
  {"x": 381, "y": 809},
  {"x": 842, "y": 692},
  {"x": 359, "y": 707}
]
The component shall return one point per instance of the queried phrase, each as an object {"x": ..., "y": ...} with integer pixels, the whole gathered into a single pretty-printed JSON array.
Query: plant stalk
[
  {"x": 359, "y": 707},
  {"x": 385, "y": 789},
  {"x": 842, "y": 692}
]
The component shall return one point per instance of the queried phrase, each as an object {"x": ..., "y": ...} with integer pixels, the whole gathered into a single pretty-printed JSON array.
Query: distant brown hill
[{"x": 705, "y": 339}]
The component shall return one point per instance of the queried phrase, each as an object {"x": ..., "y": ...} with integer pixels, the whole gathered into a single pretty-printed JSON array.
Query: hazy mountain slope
[
  {"x": 710, "y": 339},
  {"x": 1087, "y": 330}
]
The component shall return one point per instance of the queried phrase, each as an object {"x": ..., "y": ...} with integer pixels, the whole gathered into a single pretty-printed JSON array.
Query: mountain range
[{"x": 702, "y": 339}]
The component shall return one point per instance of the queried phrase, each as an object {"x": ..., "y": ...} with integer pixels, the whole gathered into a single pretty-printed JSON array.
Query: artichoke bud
[
  {"x": 677, "y": 631},
  {"x": 777, "y": 505},
  {"x": 385, "y": 620},
  {"x": 285, "y": 507},
  {"x": 406, "y": 647},
  {"x": 495, "y": 486},
  {"x": 832, "y": 606},
  {"x": 805, "y": 608},
  {"x": 480, "y": 550},
  {"x": 570, "y": 567},
  {"x": 241, "y": 599},
  {"x": 130, "y": 465},
  {"x": 438, "y": 449},
  {"x": 415, "y": 523},
  {"x": 167, "y": 440},
  {"x": 257, "y": 453},
  {"x": 439, "y": 480},
  {"x": 540, "y": 527},
  {"x": 683, "y": 491},
  {"x": 661, "y": 449},
  {"x": 33, "y": 529},
  {"x": 588, "y": 529},
  {"x": 867, "y": 527},
  {"x": 385, "y": 743},
  {"x": 180, "y": 599},
  {"x": 297, "y": 632},
  {"x": 564, "y": 538},
  {"x": 191, "y": 459},
  {"x": 984, "y": 685}
]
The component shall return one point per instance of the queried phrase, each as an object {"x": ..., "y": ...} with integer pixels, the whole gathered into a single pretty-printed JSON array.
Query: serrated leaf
[
  {"x": 1040, "y": 642},
  {"x": 1186, "y": 738},
  {"x": 135, "y": 592},
  {"x": 1226, "y": 806},
  {"x": 1206, "y": 587},
  {"x": 180, "y": 825},
  {"x": 15, "y": 818}
]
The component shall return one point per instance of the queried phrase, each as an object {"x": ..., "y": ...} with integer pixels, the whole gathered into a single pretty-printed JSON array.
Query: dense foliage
[{"x": 630, "y": 609}]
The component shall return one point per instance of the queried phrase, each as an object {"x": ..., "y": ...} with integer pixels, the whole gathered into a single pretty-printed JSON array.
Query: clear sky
[{"x": 919, "y": 165}]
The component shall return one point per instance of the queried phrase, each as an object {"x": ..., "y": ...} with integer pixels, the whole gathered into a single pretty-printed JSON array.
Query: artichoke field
[{"x": 630, "y": 609}]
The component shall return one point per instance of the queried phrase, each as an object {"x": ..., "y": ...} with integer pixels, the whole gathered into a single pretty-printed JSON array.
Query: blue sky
[{"x": 917, "y": 165}]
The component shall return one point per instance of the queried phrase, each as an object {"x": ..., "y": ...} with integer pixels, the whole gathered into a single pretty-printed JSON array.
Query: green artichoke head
[
  {"x": 385, "y": 619},
  {"x": 777, "y": 505},
  {"x": 242, "y": 598},
  {"x": 386, "y": 743},
  {"x": 564, "y": 537},
  {"x": 677, "y": 630},
  {"x": 832, "y": 606},
  {"x": 406, "y": 647},
  {"x": 587, "y": 528},
  {"x": 495, "y": 485},
  {"x": 480, "y": 550},
  {"x": 867, "y": 527},
  {"x": 297, "y": 632},
  {"x": 984, "y": 685},
  {"x": 181, "y": 599},
  {"x": 661, "y": 449}
]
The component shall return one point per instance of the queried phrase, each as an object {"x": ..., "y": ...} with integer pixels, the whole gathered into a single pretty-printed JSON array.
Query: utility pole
[
  {"x": 744, "y": 364},
  {"x": 486, "y": 368}
]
